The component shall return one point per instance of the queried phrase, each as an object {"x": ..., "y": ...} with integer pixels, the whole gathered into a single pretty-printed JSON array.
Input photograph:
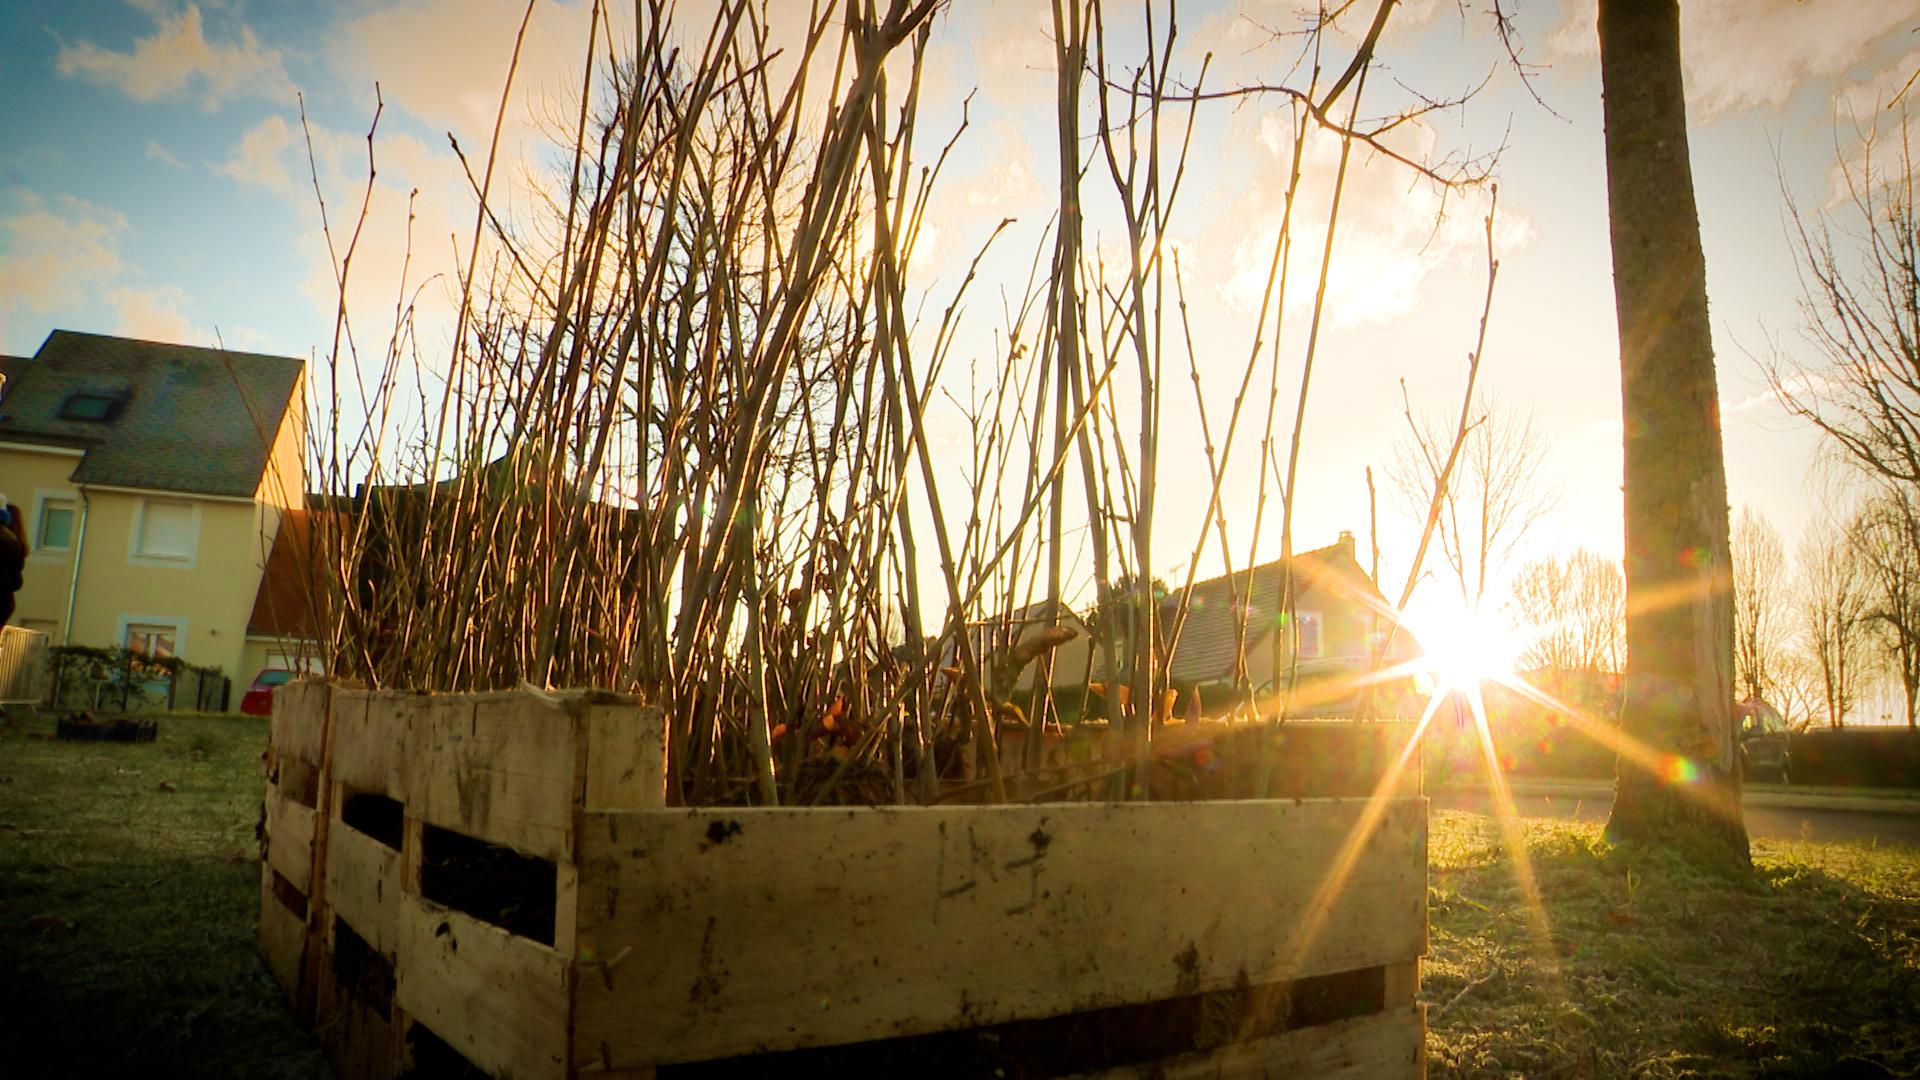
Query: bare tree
[
  {"x": 1679, "y": 690},
  {"x": 1798, "y": 689},
  {"x": 1834, "y": 598},
  {"x": 1860, "y": 313},
  {"x": 1759, "y": 601},
  {"x": 1887, "y": 539},
  {"x": 1492, "y": 498},
  {"x": 1577, "y": 607}
]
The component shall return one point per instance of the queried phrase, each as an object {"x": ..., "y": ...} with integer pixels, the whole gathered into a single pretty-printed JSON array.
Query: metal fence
[
  {"x": 117, "y": 680},
  {"x": 23, "y": 665}
]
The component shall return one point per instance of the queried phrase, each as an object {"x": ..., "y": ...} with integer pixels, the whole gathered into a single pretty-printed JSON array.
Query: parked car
[
  {"x": 258, "y": 700},
  {"x": 1763, "y": 741}
]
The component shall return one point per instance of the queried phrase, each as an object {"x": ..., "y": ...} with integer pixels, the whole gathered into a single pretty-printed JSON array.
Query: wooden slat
[
  {"x": 363, "y": 886},
  {"x": 290, "y": 839},
  {"x": 371, "y": 734},
  {"x": 283, "y": 936},
  {"x": 566, "y": 907},
  {"x": 626, "y": 757},
  {"x": 500, "y": 1000},
  {"x": 499, "y": 768},
  {"x": 1386, "y": 1044},
  {"x": 1403, "y": 983},
  {"x": 298, "y": 727},
  {"x": 714, "y": 932}
]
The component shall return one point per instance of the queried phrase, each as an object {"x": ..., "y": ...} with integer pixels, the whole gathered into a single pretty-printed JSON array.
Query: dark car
[
  {"x": 258, "y": 700},
  {"x": 1763, "y": 742}
]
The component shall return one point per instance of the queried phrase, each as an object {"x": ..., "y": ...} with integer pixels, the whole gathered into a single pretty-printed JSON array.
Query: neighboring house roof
[
  {"x": 281, "y": 607},
  {"x": 175, "y": 417},
  {"x": 1206, "y": 649}
]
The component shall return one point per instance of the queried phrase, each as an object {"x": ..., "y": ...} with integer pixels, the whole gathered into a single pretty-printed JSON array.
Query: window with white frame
[
  {"x": 166, "y": 530},
  {"x": 55, "y": 524},
  {"x": 1307, "y": 635},
  {"x": 151, "y": 638}
]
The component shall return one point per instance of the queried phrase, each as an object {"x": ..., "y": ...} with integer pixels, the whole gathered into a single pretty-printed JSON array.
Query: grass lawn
[
  {"x": 1647, "y": 967},
  {"x": 128, "y": 911},
  {"x": 129, "y": 892}
]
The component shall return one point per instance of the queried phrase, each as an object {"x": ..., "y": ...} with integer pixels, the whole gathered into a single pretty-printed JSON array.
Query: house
[
  {"x": 998, "y": 641},
  {"x": 1339, "y": 618},
  {"x": 155, "y": 479},
  {"x": 282, "y": 628}
]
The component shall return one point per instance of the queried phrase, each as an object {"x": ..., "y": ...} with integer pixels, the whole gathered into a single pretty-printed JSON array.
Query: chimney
[{"x": 1346, "y": 543}]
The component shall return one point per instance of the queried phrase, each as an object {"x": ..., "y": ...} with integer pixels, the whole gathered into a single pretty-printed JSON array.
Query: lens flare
[
  {"x": 1680, "y": 770},
  {"x": 1463, "y": 646}
]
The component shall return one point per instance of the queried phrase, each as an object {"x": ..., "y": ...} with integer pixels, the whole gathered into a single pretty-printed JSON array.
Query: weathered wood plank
[
  {"x": 290, "y": 836},
  {"x": 712, "y": 933},
  {"x": 371, "y": 734},
  {"x": 1403, "y": 983},
  {"x": 363, "y": 886},
  {"x": 1386, "y": 1044},
  {"x": 298, "y": 728},
  {"x": 500, "y": 1000},
  {"x": 626, "y": 757},
  {"x": 496, "y": 767},
  {"x": 566, "y": 907},
  {"x": 283, "y": 937}
]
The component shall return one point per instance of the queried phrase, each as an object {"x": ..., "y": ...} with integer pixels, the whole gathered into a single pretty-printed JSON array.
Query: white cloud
[
  {"x": 263, "y": 157},
  {"x": 155, "y": 315},
  {"x": 1873, "y": 94},
  {"x": 178, "y": 60},
  {"x": 54, "y": 254},
  {"x": 1793, "y": 386},
  {"x": 1748, "y": 54},
  {"x": 446, "y": 61},
  {"x": 64, "y": 254},
  {"x": 156, "y": 152},
  {"x": 1395, "y": 230},
  {"x": 1006, "y": 184}
]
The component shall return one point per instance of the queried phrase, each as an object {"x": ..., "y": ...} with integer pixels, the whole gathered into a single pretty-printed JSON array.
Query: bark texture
[{"x": 1679, "y": 687}]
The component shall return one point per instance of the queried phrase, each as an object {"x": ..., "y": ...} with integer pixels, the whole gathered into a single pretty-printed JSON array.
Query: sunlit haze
[{"x": 155, "y": 183}]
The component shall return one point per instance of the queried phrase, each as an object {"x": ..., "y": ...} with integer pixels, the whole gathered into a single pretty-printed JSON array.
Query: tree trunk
[{"x": 1679, "y": 689}]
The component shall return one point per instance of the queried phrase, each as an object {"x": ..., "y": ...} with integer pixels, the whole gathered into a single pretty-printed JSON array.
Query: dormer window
[{"x": 90, "y": 405}]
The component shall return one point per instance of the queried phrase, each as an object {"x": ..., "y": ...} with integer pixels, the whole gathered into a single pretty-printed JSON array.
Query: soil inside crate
[
  {"x": 494, "y": 884},
  {"x": 1079, "y": 1042},
  {"x": 377, "y": 816}
]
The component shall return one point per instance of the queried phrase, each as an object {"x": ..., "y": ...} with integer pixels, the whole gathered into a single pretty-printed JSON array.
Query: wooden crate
[
  {"x": 1215, "y": 759},
  {"x": 293, "y": 823},
  {"x": 731, "y": 941}
]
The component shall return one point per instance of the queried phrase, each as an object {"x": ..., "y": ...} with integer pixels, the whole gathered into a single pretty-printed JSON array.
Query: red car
[{"x": 258, "y": 700}]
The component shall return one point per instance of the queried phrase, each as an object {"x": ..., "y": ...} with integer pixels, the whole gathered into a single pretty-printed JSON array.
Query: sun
[{"x": 1463, "y": 646}]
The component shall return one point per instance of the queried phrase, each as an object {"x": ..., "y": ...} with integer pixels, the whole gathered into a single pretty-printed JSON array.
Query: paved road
[{"x": 1804, "y": 821}]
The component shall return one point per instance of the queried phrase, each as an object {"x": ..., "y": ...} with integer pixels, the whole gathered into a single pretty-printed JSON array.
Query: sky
[{"x": 155, "y": 181}]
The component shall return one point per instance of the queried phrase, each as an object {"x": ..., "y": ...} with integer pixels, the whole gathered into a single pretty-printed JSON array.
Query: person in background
[{"x": 13, "y": 557}]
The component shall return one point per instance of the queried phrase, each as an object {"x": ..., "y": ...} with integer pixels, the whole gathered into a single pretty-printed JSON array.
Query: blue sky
[{"x": 154, "y": 182}]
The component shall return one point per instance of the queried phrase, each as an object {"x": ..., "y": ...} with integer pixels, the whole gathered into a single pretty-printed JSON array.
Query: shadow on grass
[
  {"x": 129, "y": 910},
  {"x": 1808, "y": 966}
]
